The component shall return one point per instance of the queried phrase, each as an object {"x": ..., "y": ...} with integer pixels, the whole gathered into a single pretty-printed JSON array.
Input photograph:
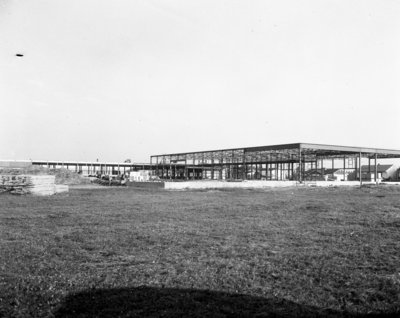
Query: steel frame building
[{"x": 276, "y": 162}]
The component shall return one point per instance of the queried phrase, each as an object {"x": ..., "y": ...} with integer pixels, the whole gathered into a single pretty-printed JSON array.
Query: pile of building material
[
  {"x": 140, "y": 176},
  {"x": 143, "y": 176},
  {"x": 30, "y": 184},
  {"x": 42, "y": 185},
  {"x": 63, "y": 175}
]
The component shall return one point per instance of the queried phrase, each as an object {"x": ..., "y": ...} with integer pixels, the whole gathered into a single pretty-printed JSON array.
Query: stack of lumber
[
  {"x": 63, "y": 176},
  {"x": 28, "y": 184},
  {"x": 42, "y": 185},
  {"x": 13, "y": 184}
]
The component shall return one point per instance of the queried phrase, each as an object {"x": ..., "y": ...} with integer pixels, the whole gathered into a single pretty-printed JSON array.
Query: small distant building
[
  {"x": 338, "y": 174},
  {"x": 389, "y": 172},
  {"x": 140, "y": 176}
]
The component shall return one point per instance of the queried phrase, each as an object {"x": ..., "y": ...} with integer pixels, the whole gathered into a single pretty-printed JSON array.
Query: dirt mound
[{"x": 63, "y": 176}]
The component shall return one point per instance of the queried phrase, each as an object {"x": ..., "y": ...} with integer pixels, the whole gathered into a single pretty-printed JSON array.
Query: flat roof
[
  {"x": 87, "y": 163},
  {"x": 309, "y": 148}
]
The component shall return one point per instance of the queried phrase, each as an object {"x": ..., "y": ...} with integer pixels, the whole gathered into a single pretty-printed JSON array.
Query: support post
[
  {"x": 204, "y": 168},
  {"x": 221, "y": 170},
  {"x": 356, "y": 168},
  {"x": 244, "y": 170},
  {"x": 186, "y": 170},
  {"x": 344, "y": 168},
  {"x": 300, "y": 167},
  {"x": 322, "y": 166},
  {"x": 369, "y": 164},
  {"x": 360, "y": 171},
  {"x": 376, "y": 169},
  {"x": 194, "y": 164},
  {"x": 151, "y": 166}
]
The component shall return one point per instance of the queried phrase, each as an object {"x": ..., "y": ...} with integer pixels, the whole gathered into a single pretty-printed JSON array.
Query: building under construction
[{"x": 298, "y": 162}]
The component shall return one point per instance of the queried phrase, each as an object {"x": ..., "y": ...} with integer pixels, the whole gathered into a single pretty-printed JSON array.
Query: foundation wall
[
  {"x": 254, "y": 184},
  {"x": 214, "y": 184}
]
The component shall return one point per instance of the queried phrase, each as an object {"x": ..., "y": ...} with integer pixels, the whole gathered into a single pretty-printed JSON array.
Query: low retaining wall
[
  {"x": 215, "y": 184},
  {"x": 255, "y": 184},
  {"x": 338, "y": 183}
]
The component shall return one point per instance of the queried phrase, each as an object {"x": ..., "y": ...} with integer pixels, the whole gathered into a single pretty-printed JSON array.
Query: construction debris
[{"x": 107, "y": 180}]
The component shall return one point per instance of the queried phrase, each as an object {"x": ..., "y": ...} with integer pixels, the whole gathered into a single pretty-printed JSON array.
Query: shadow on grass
[{"x": 168, "y": 302}]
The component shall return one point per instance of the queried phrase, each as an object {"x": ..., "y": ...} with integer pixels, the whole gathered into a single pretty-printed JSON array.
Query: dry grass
[{"x": 123, "y": 252}]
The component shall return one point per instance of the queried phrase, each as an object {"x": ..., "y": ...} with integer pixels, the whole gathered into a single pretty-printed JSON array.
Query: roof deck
[{"x": 288, "y": 161}]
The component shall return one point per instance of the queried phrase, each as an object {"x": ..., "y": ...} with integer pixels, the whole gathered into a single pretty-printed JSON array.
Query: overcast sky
[{"x": 112, "y": 80}]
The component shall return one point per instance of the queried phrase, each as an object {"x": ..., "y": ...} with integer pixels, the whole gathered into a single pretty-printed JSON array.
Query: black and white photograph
[{"x": 185, "y": 158}]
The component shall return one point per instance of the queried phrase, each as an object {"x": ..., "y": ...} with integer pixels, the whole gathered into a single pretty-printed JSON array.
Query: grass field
[{"x": 301, "y": 252}]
